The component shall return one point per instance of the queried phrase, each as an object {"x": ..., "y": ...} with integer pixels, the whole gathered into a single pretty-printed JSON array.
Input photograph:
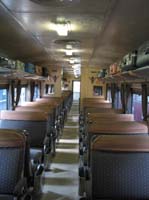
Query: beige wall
[
  {"x": 87, "y": 85},
  {"x": 70, "y": 79}
]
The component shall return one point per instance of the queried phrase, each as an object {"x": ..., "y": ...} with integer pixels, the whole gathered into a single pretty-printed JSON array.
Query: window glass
[
  {"x": 137, "y": 107},
  {"x": 3, "y": 99},
  {"x": 51, "y": 89},
  {"x": 97, "y": 90},
  {"x": 118, "y": 103},
  {"x": 36, "y": 92},
  {"x": 22, "y": 96},
  {"x": 147, "y": 105},
  {"x": 109, "y": 95}
]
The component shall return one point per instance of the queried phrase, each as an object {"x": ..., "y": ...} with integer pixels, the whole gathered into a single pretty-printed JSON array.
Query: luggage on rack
[
  {"x": 114, "y": 69},
  {"x": 129, "y": 61},
  {"x": 102, "y": 73},
  {"x": 143, "y": 55}
]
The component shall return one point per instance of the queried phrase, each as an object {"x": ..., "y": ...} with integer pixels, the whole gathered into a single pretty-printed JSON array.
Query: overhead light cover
[
  {"x": 62, "y": 28},
  {"x": 68, "y": 46},
  {"x": 68, "y": 52},
  {"x": 71, "y": 61}
]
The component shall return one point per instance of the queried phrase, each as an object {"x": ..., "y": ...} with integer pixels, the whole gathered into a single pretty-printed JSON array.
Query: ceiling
[{"x": 102, "y": 31}]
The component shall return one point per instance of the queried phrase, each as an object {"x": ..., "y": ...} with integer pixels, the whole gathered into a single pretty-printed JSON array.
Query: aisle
[{"x": 61, "y": 183}]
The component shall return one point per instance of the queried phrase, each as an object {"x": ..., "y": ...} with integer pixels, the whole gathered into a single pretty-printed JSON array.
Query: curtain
[
  {"x": 106, "y": 97},
  {"x": 11, "y": 95},
  {"x": 113, "y": 92},
  {"x": 47, "y": 88},
  {"x": 32, "y": 89},
  {"x": 123, "y": 97},
  {"x": 40, "y": 89},
  {"x": 18, "y": 92},
  {"x": 128, "y": 98},
  {"x": 144, "y": 101}
]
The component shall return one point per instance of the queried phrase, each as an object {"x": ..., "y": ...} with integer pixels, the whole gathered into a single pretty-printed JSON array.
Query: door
[{"x": 76, "y": 90}]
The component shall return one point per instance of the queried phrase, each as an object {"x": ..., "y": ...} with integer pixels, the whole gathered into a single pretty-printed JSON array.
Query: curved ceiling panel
[{"x": 103, "y": 30}]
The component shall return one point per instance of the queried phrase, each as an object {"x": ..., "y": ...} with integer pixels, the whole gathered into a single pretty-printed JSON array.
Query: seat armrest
[
  {"x": 47, "y": 144},
  {"x": 20, "y": 187}
]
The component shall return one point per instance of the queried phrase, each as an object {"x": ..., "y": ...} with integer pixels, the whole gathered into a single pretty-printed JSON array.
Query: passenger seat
[
  {"x": 13, "y": 183},
  {"x": 119, "y": 168}
]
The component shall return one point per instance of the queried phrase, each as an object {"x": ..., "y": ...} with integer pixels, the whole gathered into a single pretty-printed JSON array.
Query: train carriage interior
[{"x": 74, "y": 100}]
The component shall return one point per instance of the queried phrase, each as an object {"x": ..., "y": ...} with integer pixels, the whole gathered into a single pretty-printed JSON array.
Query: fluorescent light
[
  {"x": 62, "y": 28},
  {"x": 76, "y": 66},
  {"x": 68, "y": 46},
  {"x": 71, "y": 61},
  {"x": 68, "y": 52}
]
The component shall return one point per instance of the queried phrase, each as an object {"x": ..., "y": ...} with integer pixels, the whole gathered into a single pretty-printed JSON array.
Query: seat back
[
  {"x": 114, "y": 128},
  {"x": 119, "y": 167},
  {"x": 103, "y": 117},
  {"x": 36, "y": 124},
  {"x": 50, "y": 112},
  {"x": 12, "y": 150}
]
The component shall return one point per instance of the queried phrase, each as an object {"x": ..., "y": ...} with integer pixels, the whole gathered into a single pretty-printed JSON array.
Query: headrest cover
[
  {"x": 121, "y": 143},
  {"x": 45, "y": 109},
  {"x": 120, "y": 128},
  {"x": 97, "y": 117},
  {"x": 24, "y": 115},
  {"x": 11, "y": 138}
]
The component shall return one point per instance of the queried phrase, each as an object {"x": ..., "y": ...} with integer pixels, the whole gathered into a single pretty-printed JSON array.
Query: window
[
  {"x": 51, "y": 89},
  {"x": 147, "y": 105},
  {"x": 97, "y": 90},
  {"x": 109, "y": 95},
  {"x": 22, "y": 96},
  {"x": 3, "y": 99},
  {"x": 36, "y": 92},
  {"x": 118, "y": 103},
  {"x": 76, "y": 90},
  {"x": 137, "y": 107}
]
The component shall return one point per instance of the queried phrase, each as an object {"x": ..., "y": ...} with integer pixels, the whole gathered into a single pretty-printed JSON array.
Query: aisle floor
[{"x": 61, "y": 182}]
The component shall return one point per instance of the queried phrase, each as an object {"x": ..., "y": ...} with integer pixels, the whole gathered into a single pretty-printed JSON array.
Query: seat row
[
  {"x": 28, "y": 137},
  {"x": 114, "y": 153}
]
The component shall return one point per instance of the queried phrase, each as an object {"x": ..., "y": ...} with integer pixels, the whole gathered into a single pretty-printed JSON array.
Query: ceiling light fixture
[
  {"x": 71, "y": 61},
  {"x": 68, "y": 46},
  {"x": 63, "y": 27},
  {"x": 68, "y": 52}
]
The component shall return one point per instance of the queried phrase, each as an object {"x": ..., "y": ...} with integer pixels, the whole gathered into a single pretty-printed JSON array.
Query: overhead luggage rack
[
  {"x": 140, "y": 74},
  {"x": 13, "y": 74}
]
